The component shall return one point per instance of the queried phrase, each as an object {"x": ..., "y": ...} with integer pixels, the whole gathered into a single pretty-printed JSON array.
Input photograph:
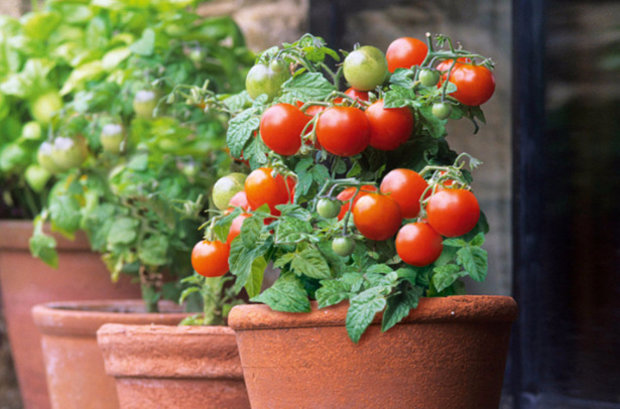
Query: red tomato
[
  {"x": 418, "y": 244},
  {"x": 262, "y": 188},
  {"x": 406, "y": 187},
  {"x": 405, "y": 52},
  {"x": 210, "y": 258},
  {"x": 376, "y": 216},
  {"x": 453, "y": 212},
  {"x": 360, "y": 96},
  {"x": 343, "y": 131},
  {"x": 389, "y": 127},
  {"x": 348, "y": 193},
  {"x": 235, "y": 227},
  {"x": 239, "y": 200},
  {"x": 281, "y": 126},
  {"x": 445, "y": 65},
  {"x": 475, "y": 84}
]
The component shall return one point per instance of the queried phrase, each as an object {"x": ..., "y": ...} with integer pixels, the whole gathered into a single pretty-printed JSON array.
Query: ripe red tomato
[
  {"x": 389, "y": 127},
  {"x": 405, "y": 52},
  {"x": 475, "y": 84},
  {"x": 453, "y": 212},
  {"x": 281, "y": 126},
  {"x": 376, "y": 216},
  {"x": 348, "y": 193},
  {"x": 445, "y": 65},
  {"x": 263, "y": 188},
  {"x": 405, "y": 186},
  {"x": 210, "y": 258},
  {"x": 235, "y": 227},
  {"x": 360, "y": 96},
  {"x": 418, "y": 244},
  {"x": 239, "y": 200},
  {"x": 343, "y": 131}
]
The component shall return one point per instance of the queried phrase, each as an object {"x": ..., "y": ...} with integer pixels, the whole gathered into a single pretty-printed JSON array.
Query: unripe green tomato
[
  {"x": 13, "y": 158},
  {"x": 343, "y": 246},
  {"x": 32, "y": 131},
  {"x": 226, "y": 187},
  {"x": 428, "y": 78},
  {"x": 44, "y": 157},
  {"x": 365, "y": 68},
  {"x": 69, "y": 153},
  {"x": 144, "y": 104},
  {"x": 441, "y": 110},
  {"x": 264, "y": 80},
  {"x": 45, "y": 106},
  {"x": 37, "y": 177},
  {"x": 112, "y": 138},
  {"x": 327, "y": 208}
]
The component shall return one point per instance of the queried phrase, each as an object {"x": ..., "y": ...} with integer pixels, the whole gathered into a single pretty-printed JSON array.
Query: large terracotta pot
[
  {"x": 76, "y": 376},
  {"x": 449, "y": 353},
  {"x": 174, "y": 367},
  {"x": 26, "y": 281}
]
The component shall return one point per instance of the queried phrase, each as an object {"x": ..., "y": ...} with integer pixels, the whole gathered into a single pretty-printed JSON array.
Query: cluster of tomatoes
[{"x": 346, "y": 127}]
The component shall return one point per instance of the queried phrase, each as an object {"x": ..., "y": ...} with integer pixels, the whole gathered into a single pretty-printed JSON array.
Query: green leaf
[
  {"x": 44, "y": 247},
  {"x": 445, "y": 275},
  {"x": 153, "y": 251},
  {"x": 408, "y": 273},
  {"x": 454, "y": 242},
  {"x": 311, "y": 263},
  {"x": 309, "y": 86},
  {"x": 402, "y": 78},
  {"x": 399, "y": 305},
  {"x": 250, "y": 231},
  {"x": 474, "y": 261},
  {"x": 436, "y": 127},
  {"x": 478, "y": 240},
  {"x": 286, "y": 294},
  {"x": 145, "y": 46},
  {"x": 362, "y": 311},
  {"x": 255, "y": 281},
  {"x": 291, "y": 230},
  {"x": 238, "y": 101},
  {"x": 398, "y": 97},
  {"x": 114, "y": 57},
  {"x": 81, "y": 75},
  {"x": 123, "y": 231},
  {"x": 65, "y": 214},
  {"x": 331, "y": 292},
  {"x": 240, "y": 130},
  {"x": 187, "y": 292}
]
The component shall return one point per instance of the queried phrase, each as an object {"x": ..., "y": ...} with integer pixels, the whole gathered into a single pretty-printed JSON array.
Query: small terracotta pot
[
  {"x": 449, "y": 353},
  {"x": 174, "y": 367},
  {"x": 76, "y": 376},
  {"x": 27, "y": 281}
]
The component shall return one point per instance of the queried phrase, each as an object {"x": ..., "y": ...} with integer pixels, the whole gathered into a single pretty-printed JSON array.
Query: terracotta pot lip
[
  {"x": 462, "y": 308},
  {"x": 16, "y": 235},
  {"x": 85, "y": 317},
  {"x": 157, "y": 330}
]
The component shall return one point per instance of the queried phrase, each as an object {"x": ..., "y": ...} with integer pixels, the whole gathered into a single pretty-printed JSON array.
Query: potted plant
[
  {"x": 130, "y": 172},
  {"x": 358, "y": 200}
]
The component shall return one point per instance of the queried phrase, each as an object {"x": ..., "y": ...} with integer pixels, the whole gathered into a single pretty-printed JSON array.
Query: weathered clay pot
[
  {"x": 174, "y": 367},
  {"x": 76, "y": 377},
  {"x": 27, "y": 281},
  {"x": 449, "y": 353}
]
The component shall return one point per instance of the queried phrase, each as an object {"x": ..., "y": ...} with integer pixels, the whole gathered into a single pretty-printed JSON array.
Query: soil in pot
[
  {"x": 174, "y": 367},
  {"x": 76, "y": 377},
  {"x": 449, "y": 353},
  {"x": 27, "y": 281}
]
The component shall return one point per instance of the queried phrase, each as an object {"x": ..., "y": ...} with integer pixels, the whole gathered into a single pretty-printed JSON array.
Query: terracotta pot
[
  {"x": 27, "y": 281},
  {"x": 76, "y": 378},
  {"x": 174, "y": 367},
  {"x": 449, "y": 353}
]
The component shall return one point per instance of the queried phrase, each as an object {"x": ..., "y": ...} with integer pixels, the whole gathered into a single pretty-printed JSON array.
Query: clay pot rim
[
  {"x": 462, "y": 308},
  {"x": 16, "y": 235},
  {"x": 159, "y": 330},
  {"x": 83, "y": 318}
]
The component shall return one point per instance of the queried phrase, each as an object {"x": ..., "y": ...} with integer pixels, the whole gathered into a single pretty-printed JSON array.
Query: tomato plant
[
  {"x": 210, "y": 258},
  {"x": 453, "y": 212},
  {"x": 418, "y": 244},
  {"x": 389, "y": 127},
  {"x": 376, "y": 216},
  {"x": 405, "y": 52},
  {"x": 281, "y": 127},
  {"x": 343, "y": 131}
]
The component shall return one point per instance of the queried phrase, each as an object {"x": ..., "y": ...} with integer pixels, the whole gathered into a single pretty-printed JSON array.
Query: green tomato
[
  {"x": 265, "y": 80},
  {"x": 343, "y": 246},
  {"x": 112, "y": 138},
  {"x": 32, "y": 131},
  {"x": 144, "y": 103},
  {"x": 44, "y": 157},
  {"x": 45, "y": 106},
  {"x": 441, "y": 110},
  {"x": 365, "y": 68},
  {"x": 327, "y": 208},
  {"x": 37, "y": 177},
  {"x": 226, "y": 187},
  {"x": 428, "y": 78},
  {"x": 69, "y": 153},
  {"x": 13, "y": 158}
]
